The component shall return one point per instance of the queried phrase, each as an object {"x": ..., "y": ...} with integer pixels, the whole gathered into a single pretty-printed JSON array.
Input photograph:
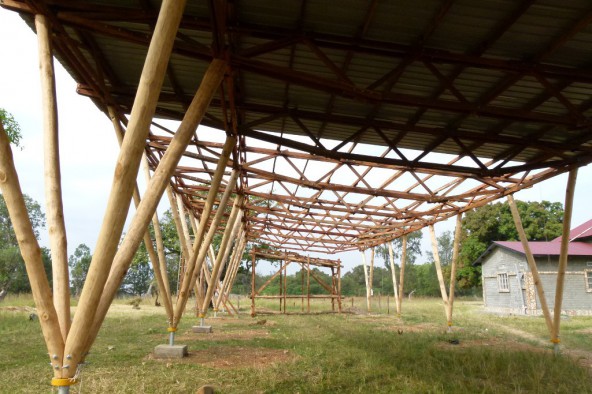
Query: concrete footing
[
  {"x": 202, "y": 329},
  {"x": 168, "y": 351}
]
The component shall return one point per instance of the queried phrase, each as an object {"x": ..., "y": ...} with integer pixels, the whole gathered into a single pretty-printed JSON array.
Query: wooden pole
[
  {"x": 333, "y": 288},
  {"x": 308, "y": 284},
  {"x": 234, "y": 223},
  {"x": 183, "y": 218},
  {"x": 233, "y": 268},
  {"x": 455, "y": 250},
  {"x": 366, "y": 279},
  {"x": 53, "y": 178},
  {"x": 155, "y": 189},
  {"x": 185, "y": 254},
  {"x": 339, "y": 284},
  {"x": 200, "y": 250},
  {"x": 393, "y": 272},
  {"x": 15, "y": 203},
  {"x": 162, "y": 263},
  {"x": 371, "y": 276},
  {"x": 126, "y": 172},
  {"x": 154, "y": 259},
  {"x": 302, "y": 287},
  {"x": 281, "y": 285},
  {"x": 531, "y": 264},
  {"x": 253, "y": 293},
  {"x": 200, "y": 246},
  {"x": 285, "y": 284},
  {"x": 402, "y": 274},
  {"x": 569, "y": 196},
  {"x": 439, "y": 268}
]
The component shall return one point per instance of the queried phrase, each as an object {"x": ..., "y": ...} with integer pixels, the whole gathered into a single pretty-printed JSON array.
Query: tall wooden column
[
  {"x": 455, "y": 247},
  {"x": 53, "y": 178},
  {"x": 569, "y": 196},
  {"x": 393, "y": 272},
  {"x": 531, "y": 264},
  {"x": 126, "y": 171},
  {"x": 368, "y": 306},
  {"x": 439, "y": 268},
  {"x": 253, "y": 294},
  {"x": 153, "y": 257},
  {"x": 155, "y": 189},
  {"x": 15, "y": 203},
  {"x": 402, "y": 274}
]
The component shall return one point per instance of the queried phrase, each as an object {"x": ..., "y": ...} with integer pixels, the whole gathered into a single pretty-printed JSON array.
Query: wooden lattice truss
[
  {"x": 346, "y": 124},
  {"x": 351, "y": 141},
  {"x": 285, "y": 259}
]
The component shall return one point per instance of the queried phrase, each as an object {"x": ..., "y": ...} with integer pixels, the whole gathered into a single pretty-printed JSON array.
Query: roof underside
[{"x": 357, "y": 121}]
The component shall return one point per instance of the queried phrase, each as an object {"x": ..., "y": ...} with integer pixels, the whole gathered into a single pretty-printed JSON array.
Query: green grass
[{"x": 313, "y": 354}]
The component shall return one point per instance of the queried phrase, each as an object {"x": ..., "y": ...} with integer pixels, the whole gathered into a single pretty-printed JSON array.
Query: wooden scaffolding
[{"x": 285, "y": 259}]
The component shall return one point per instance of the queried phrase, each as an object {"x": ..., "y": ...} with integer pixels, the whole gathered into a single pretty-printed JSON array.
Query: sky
[{"x": 88, "y": 147}]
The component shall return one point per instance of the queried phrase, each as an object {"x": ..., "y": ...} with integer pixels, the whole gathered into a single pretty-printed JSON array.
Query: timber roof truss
[{"x": 357, "y": 122}]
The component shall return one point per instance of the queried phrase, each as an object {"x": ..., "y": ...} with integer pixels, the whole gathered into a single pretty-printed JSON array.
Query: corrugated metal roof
[
  {"x": 476, "y": 94},
  {"x": 548, "y": 248}
]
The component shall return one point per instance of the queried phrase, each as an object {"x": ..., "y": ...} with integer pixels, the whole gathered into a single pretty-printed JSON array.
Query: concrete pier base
[
  {"x": 168, "y": 351},
  {"x": 202, "y": 329}
]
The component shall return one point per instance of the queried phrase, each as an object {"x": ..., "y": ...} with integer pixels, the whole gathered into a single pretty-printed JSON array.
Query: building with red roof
[{"x": 508, "y": 286}]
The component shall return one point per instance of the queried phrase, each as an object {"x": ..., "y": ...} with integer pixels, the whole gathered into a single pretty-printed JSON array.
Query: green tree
[
  {"x": 79, "y": 263},
  {"x": 11, "y": 127},
  {"x": 542, "y": 221},
  {"x": 13, "y": 275},
  {"x": 139, "y": 276},
  {"x": 413, "y": 249}
]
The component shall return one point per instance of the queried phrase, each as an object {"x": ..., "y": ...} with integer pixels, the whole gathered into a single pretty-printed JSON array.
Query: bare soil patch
[
  {"x": 227, "y": 357},
  {"x": 220, "y": 335},
  {"x": 26, "y": 309},
  {"x": 494, "y": 343},
  {"x": 423, "y": 327}
]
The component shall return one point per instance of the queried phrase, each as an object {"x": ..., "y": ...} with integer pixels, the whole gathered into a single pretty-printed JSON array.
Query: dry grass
[{"x": 312, "y": 354}]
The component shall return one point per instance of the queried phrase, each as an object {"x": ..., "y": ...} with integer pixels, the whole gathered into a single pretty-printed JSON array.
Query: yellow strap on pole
[
  {"x": 60, "y": 382},
  {"x": 172, "y": 329}
]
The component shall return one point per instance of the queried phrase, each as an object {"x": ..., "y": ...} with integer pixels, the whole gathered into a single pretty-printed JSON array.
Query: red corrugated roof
[
  {"x": 582, "y": 231},
  {"x": 548, "y": 248}
]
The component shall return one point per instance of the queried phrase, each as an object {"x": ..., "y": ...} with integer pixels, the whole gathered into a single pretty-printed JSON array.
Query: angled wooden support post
[
  {"x": 234, "y": 223},
  {"x": 402, "y": 274},
  {"x": 302, "y": 287},
  {"x": 368, "y": 306},
  {"x": 455, "y": 249},
  {"x": 185, "y": 254},
  {"x": 53, "y": 178},
  {"x": 15, "y": 203},
  {"x": 531, "y": 264},
  {"x": 166, "y": 289},
  {"x": 200, "y": 250},
  {"x": 153, "y": 257},
  {"x": 393, "y": 272},
  {"x": 371, "y": 275},
  {"x": 232, "y": 269},
  {"x": 569, "y": 196},
  {"x": 439, "y": 268},
  {"x": 253, "y": 293},
  {"x": 155, "y": 190},
  {"x": 201, "y": 245},
  {"x": 126, "y": 171}
]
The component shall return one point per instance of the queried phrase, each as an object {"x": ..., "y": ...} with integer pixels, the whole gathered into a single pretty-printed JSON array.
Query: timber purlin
[{"x": 308, "y": 95}]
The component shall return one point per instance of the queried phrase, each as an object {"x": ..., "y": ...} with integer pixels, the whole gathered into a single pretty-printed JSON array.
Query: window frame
[
  {"x": 503, "y": 282},
  {"x": 588, "y": 280}
]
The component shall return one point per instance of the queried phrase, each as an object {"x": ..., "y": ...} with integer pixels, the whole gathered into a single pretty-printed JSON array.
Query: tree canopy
[
  {"x": 11, "y": 127},
  {"x": 13, "y": 275},
  {"x": 542, "y": 221}
]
